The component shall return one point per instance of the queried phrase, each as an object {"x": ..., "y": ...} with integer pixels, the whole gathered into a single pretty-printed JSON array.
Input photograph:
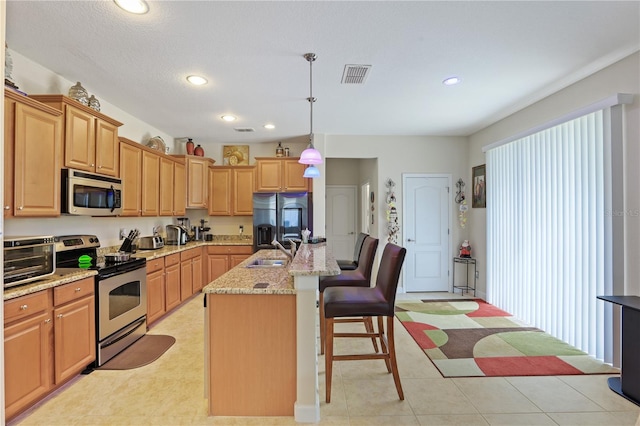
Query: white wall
[
  {"x": 403, "y": 154},
  {"x": 621, "y": 77}
]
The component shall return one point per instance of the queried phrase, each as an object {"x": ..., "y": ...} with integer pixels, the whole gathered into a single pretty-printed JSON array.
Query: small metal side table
[{"x": 464, "y": 286}]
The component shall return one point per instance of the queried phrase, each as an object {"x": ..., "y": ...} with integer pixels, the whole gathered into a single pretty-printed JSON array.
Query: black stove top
[{"x": 81, "y": 251}]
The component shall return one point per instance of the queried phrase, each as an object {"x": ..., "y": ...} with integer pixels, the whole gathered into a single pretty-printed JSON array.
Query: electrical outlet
[
  {"x": 477, "y": 274},
  {"x": 123, "y": 233},
  {"x": 241, "y": 229}
]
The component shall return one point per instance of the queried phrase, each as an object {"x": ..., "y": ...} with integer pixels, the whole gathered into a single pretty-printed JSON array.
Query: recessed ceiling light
[
  {"x": 269, "y": 126},
  {"x": 228, "y": 117},
  {"x": 196, "y": 80},
  {"x": 451, "y": 81},
  {"x": 139, "y": 7}
]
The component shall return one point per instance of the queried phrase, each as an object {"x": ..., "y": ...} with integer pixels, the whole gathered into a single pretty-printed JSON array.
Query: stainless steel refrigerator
[{"x": 280, "y": 215}]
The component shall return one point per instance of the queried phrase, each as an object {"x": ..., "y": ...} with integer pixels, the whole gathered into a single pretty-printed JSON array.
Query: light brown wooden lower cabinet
[
  {"x": 252, "y": 354},
  {"x": 220, "y": 259},
  {"x": 49, "y": 337}
]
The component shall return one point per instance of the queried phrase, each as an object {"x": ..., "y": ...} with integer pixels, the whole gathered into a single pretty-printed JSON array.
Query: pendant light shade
[
  {"x": 311, "y": 155},
  {"x": 311, "y": 172}
]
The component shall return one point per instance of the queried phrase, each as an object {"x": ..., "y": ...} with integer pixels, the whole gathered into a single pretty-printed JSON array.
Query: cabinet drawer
[
  {"x": 155, "y": 264},
  {"x": 172, "y": 259},
  {"x": 190, "y": 254},
  {"x": 72, "y": 291},
  {"x": 24, "y": 306},
  {"x": 229, "y": 249}
]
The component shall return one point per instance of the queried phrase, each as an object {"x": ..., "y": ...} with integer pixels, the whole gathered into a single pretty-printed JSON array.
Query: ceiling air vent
[
  {"x": 244, "y": 129},
  {"x": 355, "y": 74}
]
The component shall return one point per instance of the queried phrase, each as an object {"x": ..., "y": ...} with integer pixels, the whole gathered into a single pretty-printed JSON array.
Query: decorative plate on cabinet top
[{"x": 157, "y": 143}]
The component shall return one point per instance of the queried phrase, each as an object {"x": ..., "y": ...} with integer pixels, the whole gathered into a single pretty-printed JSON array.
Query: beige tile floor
[{"x": 170, "y": 391}]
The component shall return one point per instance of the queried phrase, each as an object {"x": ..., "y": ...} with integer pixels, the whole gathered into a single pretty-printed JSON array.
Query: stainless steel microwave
[{"x": 90, "y": 194}]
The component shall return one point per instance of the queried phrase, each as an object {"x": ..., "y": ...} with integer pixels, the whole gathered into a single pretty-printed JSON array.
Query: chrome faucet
[{"x": 290, "y": 254}]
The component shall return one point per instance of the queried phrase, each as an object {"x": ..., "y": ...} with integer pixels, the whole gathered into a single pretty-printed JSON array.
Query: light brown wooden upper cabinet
[
  {"x": 90, "y": 137},
  {"x": 173, "y": 180},
  {"x": 32, "y": 157},
  {"x": 280, "y": 175},
  {"x": 197, "y": 180},
  {"x": 231, "y": 190},
  {"x": 154, "y": 184},
  {"x": 131, "y": 176},
  {"x": 150, "y": 183}
]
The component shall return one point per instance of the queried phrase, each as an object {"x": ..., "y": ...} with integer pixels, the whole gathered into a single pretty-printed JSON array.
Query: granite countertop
[
  {"x": 241, "y": 280},
  {"x": 314, "y": 259},
  {"x": 67, "y": 275},
  {"x": 218, "y": 240},
  {"x": 51, "y": 281},
  {"x": 311, "y": 259}
]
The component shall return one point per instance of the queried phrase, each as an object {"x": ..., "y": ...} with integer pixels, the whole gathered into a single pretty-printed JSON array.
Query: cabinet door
[
  {"x": 198, "y": 176},
  {"x": 179, "y": 189},
  {"x": 107, "y": 162},
  {"x": 38, "y": 137},
  {"x": 172, "y": 286},
  {"x": 79, "y": 140},
  {"x": 166, "y": 187},
  {"x": 293, "y": 176},
  {"x": 243, "y": 183},
  {"x": 218, "y": 264},
  {"x": 155, "y": 296},
  {"x": 196, "y": 271},
  {"x": 220, "y": 191},
  {"x": 75, "y": 337},
  {"x": 27, "y": 362},
  {"x": 269, "y": 177},
  {"x": 150, "y": 183},
  {"x": 236, "y": 259},
  {"x": 9, "y": 129},
  {"x": 186, "y": 279},
  {"x": 130, "y": 173}
]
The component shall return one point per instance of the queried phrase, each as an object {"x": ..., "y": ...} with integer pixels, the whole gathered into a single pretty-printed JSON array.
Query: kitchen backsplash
[{"x": 107, "y": 228}]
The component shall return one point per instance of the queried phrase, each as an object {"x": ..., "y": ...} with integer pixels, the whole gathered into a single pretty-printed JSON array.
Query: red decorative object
[
  {"x": 190, "y": 146},
  {"x": 199, "y": 151},
  {"x": 465, "y": 249}
]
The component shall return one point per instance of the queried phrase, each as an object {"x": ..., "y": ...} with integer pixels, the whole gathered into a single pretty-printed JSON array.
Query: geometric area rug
[{"x": 472, "y": 338}]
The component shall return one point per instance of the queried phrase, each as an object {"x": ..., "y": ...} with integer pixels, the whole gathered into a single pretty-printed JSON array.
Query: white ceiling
[{"x": 509, "y": 55}]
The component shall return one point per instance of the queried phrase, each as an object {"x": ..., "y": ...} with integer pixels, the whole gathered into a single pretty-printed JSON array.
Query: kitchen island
[{"x": 260, "y": 336}]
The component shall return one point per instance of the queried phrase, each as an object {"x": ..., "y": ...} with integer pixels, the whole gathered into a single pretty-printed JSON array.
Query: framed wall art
[
  {"x": 479, "y": 179},
  {"x": 235, "y": 155}
]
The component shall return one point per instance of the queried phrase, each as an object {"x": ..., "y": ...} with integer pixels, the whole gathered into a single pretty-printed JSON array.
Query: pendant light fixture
[
  {"x": 311, "y": 155},
  {"x": 311, "y": 172}
]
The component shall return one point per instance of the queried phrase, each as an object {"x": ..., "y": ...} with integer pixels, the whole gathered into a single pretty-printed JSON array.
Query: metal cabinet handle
[
  {"x": 410, "y": 240},
  {"x": 93, "y": 165},
  {"x": 7, "y": 207},
  {"x": 20, "y": 208},
  {"x": 23, "y": 307},
  {"x": 47, "y": 321},
  {"x": 59, "y": 315},
  {"x": 78, "y": 289}
]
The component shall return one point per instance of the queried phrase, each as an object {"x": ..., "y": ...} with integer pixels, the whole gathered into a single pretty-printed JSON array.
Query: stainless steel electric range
[{"x": 120, "y": 293}]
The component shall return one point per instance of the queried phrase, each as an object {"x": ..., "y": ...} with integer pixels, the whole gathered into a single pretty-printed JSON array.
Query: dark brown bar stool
[
  {"x": 360, "y": 277},
  {"x": 379, "y": 301},
  {"x": 350, "y": 265}
]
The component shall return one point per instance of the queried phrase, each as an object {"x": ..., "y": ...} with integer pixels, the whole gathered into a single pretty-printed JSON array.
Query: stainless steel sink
[{"x": 268, "y": 263}]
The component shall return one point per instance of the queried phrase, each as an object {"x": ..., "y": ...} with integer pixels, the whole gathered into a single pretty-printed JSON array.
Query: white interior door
[
  {"x": 341, "y": 220},
  {"x": 426, "y": 232}
]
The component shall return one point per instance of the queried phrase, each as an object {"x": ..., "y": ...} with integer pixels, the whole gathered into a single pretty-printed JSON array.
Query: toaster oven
[{"x": 28, "y": 259}]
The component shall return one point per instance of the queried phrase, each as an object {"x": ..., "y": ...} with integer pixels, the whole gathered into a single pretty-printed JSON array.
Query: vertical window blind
[{"x": 546, "y": 219}]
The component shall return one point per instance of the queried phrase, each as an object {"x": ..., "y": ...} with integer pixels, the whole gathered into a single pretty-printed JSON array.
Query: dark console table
[{"x": 628, "y": 384}]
